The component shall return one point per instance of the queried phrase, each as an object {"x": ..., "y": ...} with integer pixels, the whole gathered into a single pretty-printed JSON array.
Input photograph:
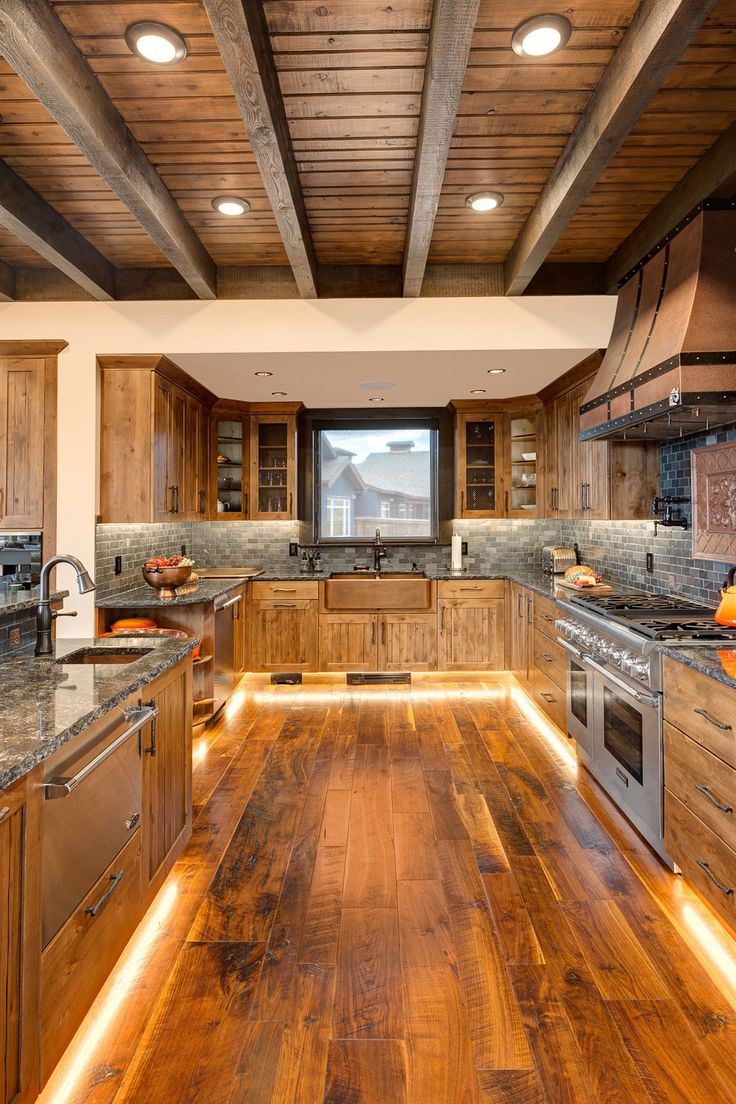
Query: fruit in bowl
[{"x": 165, "y": 573}]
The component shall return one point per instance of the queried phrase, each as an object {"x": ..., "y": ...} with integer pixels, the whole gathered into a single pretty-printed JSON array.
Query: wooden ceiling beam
[
  {"x": 35, "y": 222},
  {"x": 37, "y": 45},
  {"x": 242, "y": 36},
  {"x": 7, "y": 283},
  {"x": 659, "y": 33},
  {"x": 453, "y": 23},
  {"x": 713, "y": 173}
]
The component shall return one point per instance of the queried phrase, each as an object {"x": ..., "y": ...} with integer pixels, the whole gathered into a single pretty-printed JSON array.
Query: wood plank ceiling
[{"x": 351, "y": 76}]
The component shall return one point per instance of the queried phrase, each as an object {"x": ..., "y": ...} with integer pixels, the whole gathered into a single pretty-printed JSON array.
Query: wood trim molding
[
  {"x": 242, "y": 35},
  {"x": 35, "y": 222},
  {"x": 572, "y": 377},
  {"x": 17, "y": 348},
  {"x": 37, "y": 45},
  {"x": 7, "y": 283},
  {"x": 716, "y": 168},
  {"x": 451, "y": 32},
  {"x": 658, "y": 35},
  {"x": 156, "y": 362}
]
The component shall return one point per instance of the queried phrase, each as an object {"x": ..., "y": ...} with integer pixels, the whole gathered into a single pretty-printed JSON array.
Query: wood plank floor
[{"x": 406, "y": 896}]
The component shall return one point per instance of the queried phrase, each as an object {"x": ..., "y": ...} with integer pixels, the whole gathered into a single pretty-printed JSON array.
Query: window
[
  {"x": 338, "y": 517},
  {"x": 375, "y": 475}
]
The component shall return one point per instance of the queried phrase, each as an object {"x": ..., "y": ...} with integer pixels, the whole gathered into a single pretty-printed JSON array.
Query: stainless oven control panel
[{"x": 633, "y": 664}]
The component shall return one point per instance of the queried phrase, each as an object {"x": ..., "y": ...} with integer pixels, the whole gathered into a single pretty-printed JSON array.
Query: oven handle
[
  {"x": 645, "y": 699},
  {"x": 62, "y": 787},
  {"x": 569, "y": 648}
]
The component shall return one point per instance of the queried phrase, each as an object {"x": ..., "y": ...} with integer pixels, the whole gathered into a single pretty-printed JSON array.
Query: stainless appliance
[
  {"x": 614, "y": 684},
  {"x": 557, "y": 559},
  {"x": 20, "y": 560},
  {"x": 227, "y": 610},
  {"x": 91, "y": 808}
]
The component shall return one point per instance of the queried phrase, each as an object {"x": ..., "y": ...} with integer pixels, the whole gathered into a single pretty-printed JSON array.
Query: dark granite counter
[
  {"x": 23, "y": 601},
  {"x": 705, "y": 660},
  {"x": 145, "y": 597},
  {"x": 45, "y": 703}
]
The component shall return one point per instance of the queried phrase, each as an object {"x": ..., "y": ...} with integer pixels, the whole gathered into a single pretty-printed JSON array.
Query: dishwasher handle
[
  {"x": 63, "y": 787},
  {"x": 231, "y": 602}
]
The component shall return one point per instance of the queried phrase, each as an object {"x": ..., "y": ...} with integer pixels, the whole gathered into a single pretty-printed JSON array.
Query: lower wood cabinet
[
  {"x": 471, "y": 634},
  {"x": 348, "y": 642},
  {"x": 284, "y": 635},
  {"x": 20, "y": 940},
  {"x": 520, "y": 621},
  {"x": 378, "y": 642},
  {"x": 407, "y": 642},
  {"x": 167, "y": 778}
]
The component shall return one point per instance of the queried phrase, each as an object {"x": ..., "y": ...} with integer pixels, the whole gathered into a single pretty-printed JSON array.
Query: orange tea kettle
[{"x": 726, "y": 612}]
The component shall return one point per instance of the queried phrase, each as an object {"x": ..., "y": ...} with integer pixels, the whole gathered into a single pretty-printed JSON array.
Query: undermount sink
[
  {"x": 392, "y": 590},
  {"x": 98, "y": 656}
]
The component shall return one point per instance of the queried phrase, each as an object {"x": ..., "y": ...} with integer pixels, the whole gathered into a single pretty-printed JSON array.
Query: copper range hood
[{"x": 670, "y": 368}]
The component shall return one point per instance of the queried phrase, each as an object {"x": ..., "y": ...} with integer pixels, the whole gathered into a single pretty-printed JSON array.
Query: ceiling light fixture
[
  {"x": 484, "y": 201},
  {"x": 231, "y": 205},
  {"x": 156, "y": 42},
  {"x": 263, "y": 374},
  {"x": 541, "y": 35},
  {"x": 478, "y": 391},
  {"x": 496, "y": 371},
  {"x": 375, "y": 398}
]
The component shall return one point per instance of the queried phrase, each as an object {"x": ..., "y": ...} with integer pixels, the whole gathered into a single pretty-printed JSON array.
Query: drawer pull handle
[
  {"x": 4, "y": 812},
  {"x": 547, "y": 697},
  {"x": 471, "y": 588},
  {"x": 702, "y": 788},
  {"x": 284, "y": 590},
  {"x": 547, "y": 617},
  {"x": 115, "y": 880},
  {"x": 711, "y": 720},
  {"x": 716, "y": 881},
  {"x": 548, "y": 658}
]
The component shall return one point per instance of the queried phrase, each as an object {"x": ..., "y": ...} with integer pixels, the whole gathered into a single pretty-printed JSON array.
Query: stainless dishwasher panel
[
  {"x": 91, "y": 807},
  {"x": 224, "y": 648}
]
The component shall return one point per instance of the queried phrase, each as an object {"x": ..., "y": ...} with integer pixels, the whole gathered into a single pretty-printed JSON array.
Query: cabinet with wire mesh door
[{"x": 479, "y": 491}]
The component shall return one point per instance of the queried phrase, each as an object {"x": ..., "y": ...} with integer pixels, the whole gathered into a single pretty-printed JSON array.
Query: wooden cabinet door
[
  {"x": 518, "y": 620},
  {"x": 21, "y": 442},
  {"x": 203, "y": 502},
  {"x": 348, "y": 642},
  {"x": 523, "y": 478},
  {"x": 407, "y": 642},
  {"x": 240, "y": 614},
  {"x": 169, "y": 431},
  {"x": 20, "y": 943},
  {"x": 284, "y": 636},
  {"x": 568, "y": 495},
  {"x": 230, "y": 476},
  {"x": 471, "y": 635},
  {"x": 273, "y": 467},
  {"x": 551, "y": 477},
  {"x": 479, "y": 485},
  {"x": 195, "y": 473},
  {"x": 167, "y": 778}
]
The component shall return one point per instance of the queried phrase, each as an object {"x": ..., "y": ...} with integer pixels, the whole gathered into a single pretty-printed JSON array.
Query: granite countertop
[
  {"x": 45, "y": 703},
  {"x": 706, "y": 661},
  {"x": 20, "y": 601},
  {"x": 145, "y": 597}
]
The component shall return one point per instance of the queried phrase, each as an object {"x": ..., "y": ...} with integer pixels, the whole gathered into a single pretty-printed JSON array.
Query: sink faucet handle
[{"x": 63, "y": 613}]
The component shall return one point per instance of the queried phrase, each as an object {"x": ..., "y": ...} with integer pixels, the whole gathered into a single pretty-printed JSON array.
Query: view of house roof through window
[{"x": 376, "y": 478}]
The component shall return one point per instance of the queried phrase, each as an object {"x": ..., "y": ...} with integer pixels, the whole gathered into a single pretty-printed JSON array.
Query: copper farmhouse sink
[{"x": 390, "y": 590}]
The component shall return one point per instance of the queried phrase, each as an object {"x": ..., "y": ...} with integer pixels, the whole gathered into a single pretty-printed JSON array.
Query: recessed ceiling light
[
  {"x": 496, "y": 371},
  {"x": 263, "y": 374},
  {"x": 376, "y": 385},
  {"x": 541, "y": 35},
  {"x": 281, "y": 394},
  {"x": 478, "y": 391},
  {"x": 231, "y": 205},
  {"x": 484, "y": 201},
  {"x": 375, "y": 398},
  {"x": 156, "y": 42}
]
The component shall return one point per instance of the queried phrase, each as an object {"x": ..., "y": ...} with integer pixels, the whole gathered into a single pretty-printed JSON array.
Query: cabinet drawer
[
  {"x": 550, "y": 698},
  {"x": 706, "y": 785},
  {"x": 550, "y": 658},
  {"x": 76, "y": 963},
  {"x": 545, "y": 615},
  {"x": 701, "y": 707},
  {"x": 471, "y": 588},
  {"x": 708, "y": 864},
  {"x": 309, "y": 588}
]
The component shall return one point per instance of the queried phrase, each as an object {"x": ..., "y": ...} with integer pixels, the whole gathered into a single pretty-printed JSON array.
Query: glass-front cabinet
[
  {"x": 523, "y": 495},
  {"x": 231, "y": 443},
  {"x": 479, "y": 455},
  {"x": 273, "y": 467}
]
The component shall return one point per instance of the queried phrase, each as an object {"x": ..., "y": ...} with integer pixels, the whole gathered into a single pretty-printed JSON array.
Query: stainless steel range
[{"x": 614, "y": 691}]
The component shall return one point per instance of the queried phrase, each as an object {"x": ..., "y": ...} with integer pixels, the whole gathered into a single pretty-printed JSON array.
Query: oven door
[
  {"x": 628, "y": 753},
  {"x": 579, "y": 703}
]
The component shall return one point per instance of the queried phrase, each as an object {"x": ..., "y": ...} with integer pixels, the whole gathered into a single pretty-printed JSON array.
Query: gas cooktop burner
[
  {"x": 701, "y": 631},
  {"x": 631, "y": 604}
]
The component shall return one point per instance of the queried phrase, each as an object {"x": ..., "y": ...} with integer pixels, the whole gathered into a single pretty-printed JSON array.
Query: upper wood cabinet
[
  {"x": 27, "y": 440},
  {"x": 594, "y": 480},
  {"x": 479, "y": 457},
  {"x": 20, "y": 940},
  {"x": 230, "y": 448},
  {"x": 523, "y": 467},
  {"x": 154, "y": 442},
  {"x": 273, "y": 467}
]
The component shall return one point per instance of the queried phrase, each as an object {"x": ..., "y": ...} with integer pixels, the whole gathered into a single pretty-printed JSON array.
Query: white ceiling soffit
[{"x": 400, "y": 378}]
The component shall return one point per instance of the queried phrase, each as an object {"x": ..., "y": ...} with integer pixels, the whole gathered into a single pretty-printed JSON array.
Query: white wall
[{"x": 246, "y": 326}]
